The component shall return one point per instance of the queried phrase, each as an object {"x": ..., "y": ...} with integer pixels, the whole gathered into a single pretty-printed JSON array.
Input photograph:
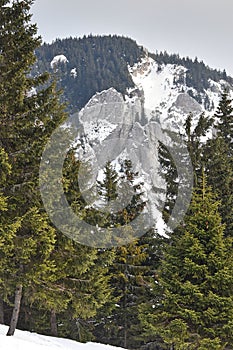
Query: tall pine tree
[
  {"x": 29, "y": 112},
  {"x": 193, "y": 302},
  {"x": 8, "y": 230},
  {"x": 120, "y": 325},
  {"x": 218, "y": 160}
]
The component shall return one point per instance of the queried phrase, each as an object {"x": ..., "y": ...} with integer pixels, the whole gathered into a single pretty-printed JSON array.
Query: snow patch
[
  {"x": 31, "y": 92},
  {"x": 28, "y": 341},
  {"x": 157, "y": 83},
  {"x": 74, "y": 73},
  {"x": 98, "y": 130},
  {"x": 58, "y": 59}
]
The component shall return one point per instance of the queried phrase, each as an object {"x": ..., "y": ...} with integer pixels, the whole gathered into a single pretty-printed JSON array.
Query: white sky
[{"x": 202, "y": 28}]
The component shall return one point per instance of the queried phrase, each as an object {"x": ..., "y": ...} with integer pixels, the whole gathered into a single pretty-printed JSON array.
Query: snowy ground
[{"x": 32, "y": 341}]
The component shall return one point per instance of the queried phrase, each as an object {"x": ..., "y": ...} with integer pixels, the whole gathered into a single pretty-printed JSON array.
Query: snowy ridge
[
  {"x": 166, "y": 97},
  {"x": 156, "y": 82},
  {"x": 23, "y": 340}
]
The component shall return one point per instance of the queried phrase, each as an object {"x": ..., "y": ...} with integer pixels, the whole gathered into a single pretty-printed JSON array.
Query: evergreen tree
[
  {"x": 79, "y": 287},
  {"x": 193, "y": 141},
  {"x": 130, "y": 284},
  {"x": 218, "y": 160},
  {"x": 31, "y": 259},
  {"x": 224, "y": 115},
  {"x": 108, "y": 188},
  {"x": 193, "y": 300},
  {"x": 101, "y": 63},
  {"x": 86, "y": 284},
  {"x": 8, "y": 232},
  {"x": 219, "y": 167},
  {"x": 120, "y": 325},
  {"x": 29, "y": 112},
  {"x": 170, "y": 175}
]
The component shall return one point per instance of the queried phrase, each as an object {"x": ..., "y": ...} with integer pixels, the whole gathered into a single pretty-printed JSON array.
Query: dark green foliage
[
  {"x": 79, "y": 287},
  {"x": 27, "y": 119},
  {"x": 108, "y": 191},
  {"x": 219, "y": 168},
  {"x": 224, "y": 115},
  {"x": 73, "y": 290},
  {"x": 100, "y": 62},
  {"x": 192, "y": 306},
  {"x": 194, "y": 141},
  {"x": 136, "y": 205},
  {"x": 129, "y": 273},
  {"x": 170, "y": 175},
  {"x": 122, "y": 327},
  {"x": 218, "y": 159},
  {"x": 8, "y": 231},
  {"x": 108, "y": 188}
]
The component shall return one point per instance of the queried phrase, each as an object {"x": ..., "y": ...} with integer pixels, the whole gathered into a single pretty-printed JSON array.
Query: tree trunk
[
  {"x": 125, "y": 317},
  {"x": 15, "y": 313},
  {"x": 53, "y": 323},
  {"x": 125, "y": 337},
  {"x": 79, "y": 331},
  {"x": 1, "y": 312}
]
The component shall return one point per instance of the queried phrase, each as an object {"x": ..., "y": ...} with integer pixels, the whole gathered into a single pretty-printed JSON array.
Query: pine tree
[
  {"x": 194, "y": 141},
  {"x": 170, "y": 175},
  {"x": 154, "y": 245},
  {"x": 130, "y": 283},
  {"x": 8, "y": 232},
  {"x": 82, "y": 271},
  {"x": 29, "y": 112},
  {"x": 188, "y": 147},
  {"x": 77, "y": 289},
  {"x": 224, "y": 115},
  {"x": 120, "y": 325},
  {"x": 219, "y": 168},
  {"x": 218, "y": 160},
  {"x": 108, "y": 188},
  {"x": 193, "y": 300}
]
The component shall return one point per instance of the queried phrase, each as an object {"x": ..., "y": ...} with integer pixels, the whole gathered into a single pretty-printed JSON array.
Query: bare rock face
[
  {"x": 110, "y": 106},
  {"x": 115, "y": 129},
  {"x": 186, "y": 104}
]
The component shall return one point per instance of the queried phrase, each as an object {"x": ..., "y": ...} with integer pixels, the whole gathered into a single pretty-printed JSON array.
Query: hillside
[
  {"x": 89, "y": 65},
  {"x": 84, "y": 66}
]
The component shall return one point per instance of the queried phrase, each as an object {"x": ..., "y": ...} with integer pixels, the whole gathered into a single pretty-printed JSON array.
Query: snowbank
[{"x": 27, "y": 341}]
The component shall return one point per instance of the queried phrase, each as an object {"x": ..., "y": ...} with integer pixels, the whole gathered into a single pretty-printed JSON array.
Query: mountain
[
  {"x": 84, "y": 66},
  {"x": 123, "y": 100}
]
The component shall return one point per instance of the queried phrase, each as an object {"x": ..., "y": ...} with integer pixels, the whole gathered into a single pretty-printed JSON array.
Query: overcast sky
[{"x": 202, "y": 28}]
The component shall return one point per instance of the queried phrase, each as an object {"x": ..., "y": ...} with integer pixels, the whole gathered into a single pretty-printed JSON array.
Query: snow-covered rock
[
  {"x": 58, "y": 59},
  {"x": 74, "y": 72}
]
